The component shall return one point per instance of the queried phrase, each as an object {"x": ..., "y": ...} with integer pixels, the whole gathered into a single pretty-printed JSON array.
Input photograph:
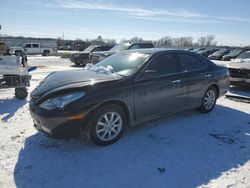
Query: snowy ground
[{"x": 188, "y": 149}]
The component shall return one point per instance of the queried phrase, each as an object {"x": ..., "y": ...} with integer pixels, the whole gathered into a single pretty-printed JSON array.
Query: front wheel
[
  {"x": 208, "y": 100},
  {"x": 21, "y": 93},
  {"x": 107, "y": 125}
]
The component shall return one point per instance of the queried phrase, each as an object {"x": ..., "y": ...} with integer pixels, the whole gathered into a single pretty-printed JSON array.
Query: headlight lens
[{"x": 61, "y": 101}]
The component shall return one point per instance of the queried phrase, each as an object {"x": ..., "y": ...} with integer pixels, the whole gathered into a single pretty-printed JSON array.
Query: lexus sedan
[{"x": 125, "y": 89}]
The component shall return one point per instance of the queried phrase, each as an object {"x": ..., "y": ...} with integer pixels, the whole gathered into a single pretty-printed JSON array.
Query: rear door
[
  {"x": 161, "y": 93},
  {"x": 195, "y": 76},
  {"x": 35, "y": 49}
]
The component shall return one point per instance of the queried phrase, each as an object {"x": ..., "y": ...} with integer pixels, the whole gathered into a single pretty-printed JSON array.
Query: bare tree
[{"x": 207, "y": 41}]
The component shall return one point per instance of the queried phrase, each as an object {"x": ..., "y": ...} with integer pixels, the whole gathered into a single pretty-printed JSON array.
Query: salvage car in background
[
  {"x": 240, "y": 70},
  {"x": 232, "y": 55},
  {"x": 98, "y": 56},
  {"x": 244, "y": 57},
  {"x": 219, "y": 54},
  {"x": 83, "y": 57},
  {"x": 125, "y": 89},
  {"x": 207, "y": 52}
]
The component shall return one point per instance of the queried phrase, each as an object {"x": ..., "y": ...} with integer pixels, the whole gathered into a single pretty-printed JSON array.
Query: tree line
[{"x": 164, "y": 42}]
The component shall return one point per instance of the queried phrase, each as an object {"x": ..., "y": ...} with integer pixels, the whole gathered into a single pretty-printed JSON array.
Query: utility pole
[{"x": 63, "y": 38}]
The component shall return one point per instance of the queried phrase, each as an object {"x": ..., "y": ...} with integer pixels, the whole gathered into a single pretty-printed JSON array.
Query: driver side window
[{"x": 164, "y": 64}]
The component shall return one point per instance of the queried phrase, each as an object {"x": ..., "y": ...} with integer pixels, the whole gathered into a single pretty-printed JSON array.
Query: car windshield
[
  {"x": 235, "y": 52},
  {"x": 124, "y": 64},
  {"x": 245, "y": 55},
  {"x": 89, "y": 49},
  {"x": 119, "y": 47},
  {"x": 220, "y": 51}
]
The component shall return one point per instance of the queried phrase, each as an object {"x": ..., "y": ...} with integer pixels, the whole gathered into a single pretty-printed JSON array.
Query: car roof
[{"x": 152, "y": 51}]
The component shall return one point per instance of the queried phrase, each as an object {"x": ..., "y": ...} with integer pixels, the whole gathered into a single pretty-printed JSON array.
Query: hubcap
[
  {"x": 109, "y": 126},
  {"x": 209, "y": 99}
]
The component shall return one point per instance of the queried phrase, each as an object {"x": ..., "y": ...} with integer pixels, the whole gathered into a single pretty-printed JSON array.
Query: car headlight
[{"x": 61, "y": 101}]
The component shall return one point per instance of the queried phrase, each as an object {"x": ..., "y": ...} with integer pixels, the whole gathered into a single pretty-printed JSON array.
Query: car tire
[
  {"x": 77, "y": 61},
  {"x": 107, "y": 125},
  {"x": 46, "y": 53},
  {"x": 18, "y": 53},
  {"x": 21, "y": 93},
  {"x": 84, "y": 61},
  {"x": 209, "y": 100}
]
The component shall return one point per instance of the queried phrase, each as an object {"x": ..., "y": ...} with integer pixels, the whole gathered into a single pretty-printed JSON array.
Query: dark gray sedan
[{"x": 123, "y": 90}]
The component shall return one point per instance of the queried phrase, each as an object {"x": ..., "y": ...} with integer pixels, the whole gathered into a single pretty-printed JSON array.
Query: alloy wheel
[
  {"x": 209, "y": 99},
  {"x": 109, "y": 126}
]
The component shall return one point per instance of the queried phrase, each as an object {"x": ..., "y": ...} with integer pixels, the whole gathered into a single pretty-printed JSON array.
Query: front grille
[{"x": 239, "y": 73}]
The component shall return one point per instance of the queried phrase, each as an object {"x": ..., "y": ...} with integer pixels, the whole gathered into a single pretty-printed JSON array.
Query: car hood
[
  {"x": 245, "y": 65},
  {"x": 238, "y": 60},
  {"x": 70, "y": 79}
]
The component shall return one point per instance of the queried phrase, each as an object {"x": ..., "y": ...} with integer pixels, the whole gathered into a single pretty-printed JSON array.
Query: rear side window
[
  {"x": 35, "y": 45},
  {"x": 164, "y": 64},
  {"x": 135, "y": 46},
  {"x": 139, "y": 46},
  {"x": 146, "y": 46},
  {"x": 97, "y": 49},
  {"x": 190, "y": 63}
]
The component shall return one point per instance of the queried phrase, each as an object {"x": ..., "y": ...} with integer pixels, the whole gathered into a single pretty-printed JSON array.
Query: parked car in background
[
  {"x": 232, "y": 54},
  {"x": 198, "y": 49},
  {"x": 219, "y": 54},
  {"x": 244, "y": 57},
  {"x": 44, "y": 48},
  {"x": 240, "y": 73},
  {"x": 125, "y": 89},
  {"x": 207, "y": 52},
  {"x": 98, "y": 56},
  {"x": 83, "y": 58}
]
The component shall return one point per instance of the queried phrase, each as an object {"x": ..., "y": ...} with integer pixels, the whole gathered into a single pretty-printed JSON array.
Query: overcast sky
[{"x": 228, "y": 20}]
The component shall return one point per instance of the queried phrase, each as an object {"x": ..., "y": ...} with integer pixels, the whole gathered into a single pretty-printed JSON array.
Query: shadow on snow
[
  {"x": 183, "y": 150},
  {"x": 8, "y": 108}
]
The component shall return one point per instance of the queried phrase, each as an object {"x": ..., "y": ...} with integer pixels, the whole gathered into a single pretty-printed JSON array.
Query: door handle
[
  {"x": 207, "y": 75},
  {"x": 176, "y": 81}
]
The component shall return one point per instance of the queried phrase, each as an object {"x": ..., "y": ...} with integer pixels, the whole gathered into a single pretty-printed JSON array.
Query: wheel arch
[
  {"x": 215, "y": 85},
  {"x": 122, "y": 104}
]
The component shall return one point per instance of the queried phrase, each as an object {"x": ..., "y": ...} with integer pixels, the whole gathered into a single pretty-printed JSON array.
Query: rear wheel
[
  {"x": 107, "y": 125},
  {"x": 21, "y": 93},
  {"x": 18, "y": 53},
  {"x": 46, "y": 53},
  {"x": 209, "y": 100}
]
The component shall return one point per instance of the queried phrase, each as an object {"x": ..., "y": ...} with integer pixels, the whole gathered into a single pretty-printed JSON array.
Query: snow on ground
[{"x": 188, "y": 149}]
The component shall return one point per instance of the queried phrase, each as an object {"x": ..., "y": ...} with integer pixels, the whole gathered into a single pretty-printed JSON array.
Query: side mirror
[{"x": 150, "y": 74}]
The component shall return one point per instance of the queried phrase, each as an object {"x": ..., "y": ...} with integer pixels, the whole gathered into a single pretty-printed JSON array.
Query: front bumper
[
  {"x": 240, "y": 77},
  {"x": 240, "y": 81},
  {"x": 56, "y": 124}
]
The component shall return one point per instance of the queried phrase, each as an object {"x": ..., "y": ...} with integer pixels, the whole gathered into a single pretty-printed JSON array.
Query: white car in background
[
  {"x": 244, "y": 57},
  {"x": 44, "y": 48},
  {"x": 239, "y": 69}
]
